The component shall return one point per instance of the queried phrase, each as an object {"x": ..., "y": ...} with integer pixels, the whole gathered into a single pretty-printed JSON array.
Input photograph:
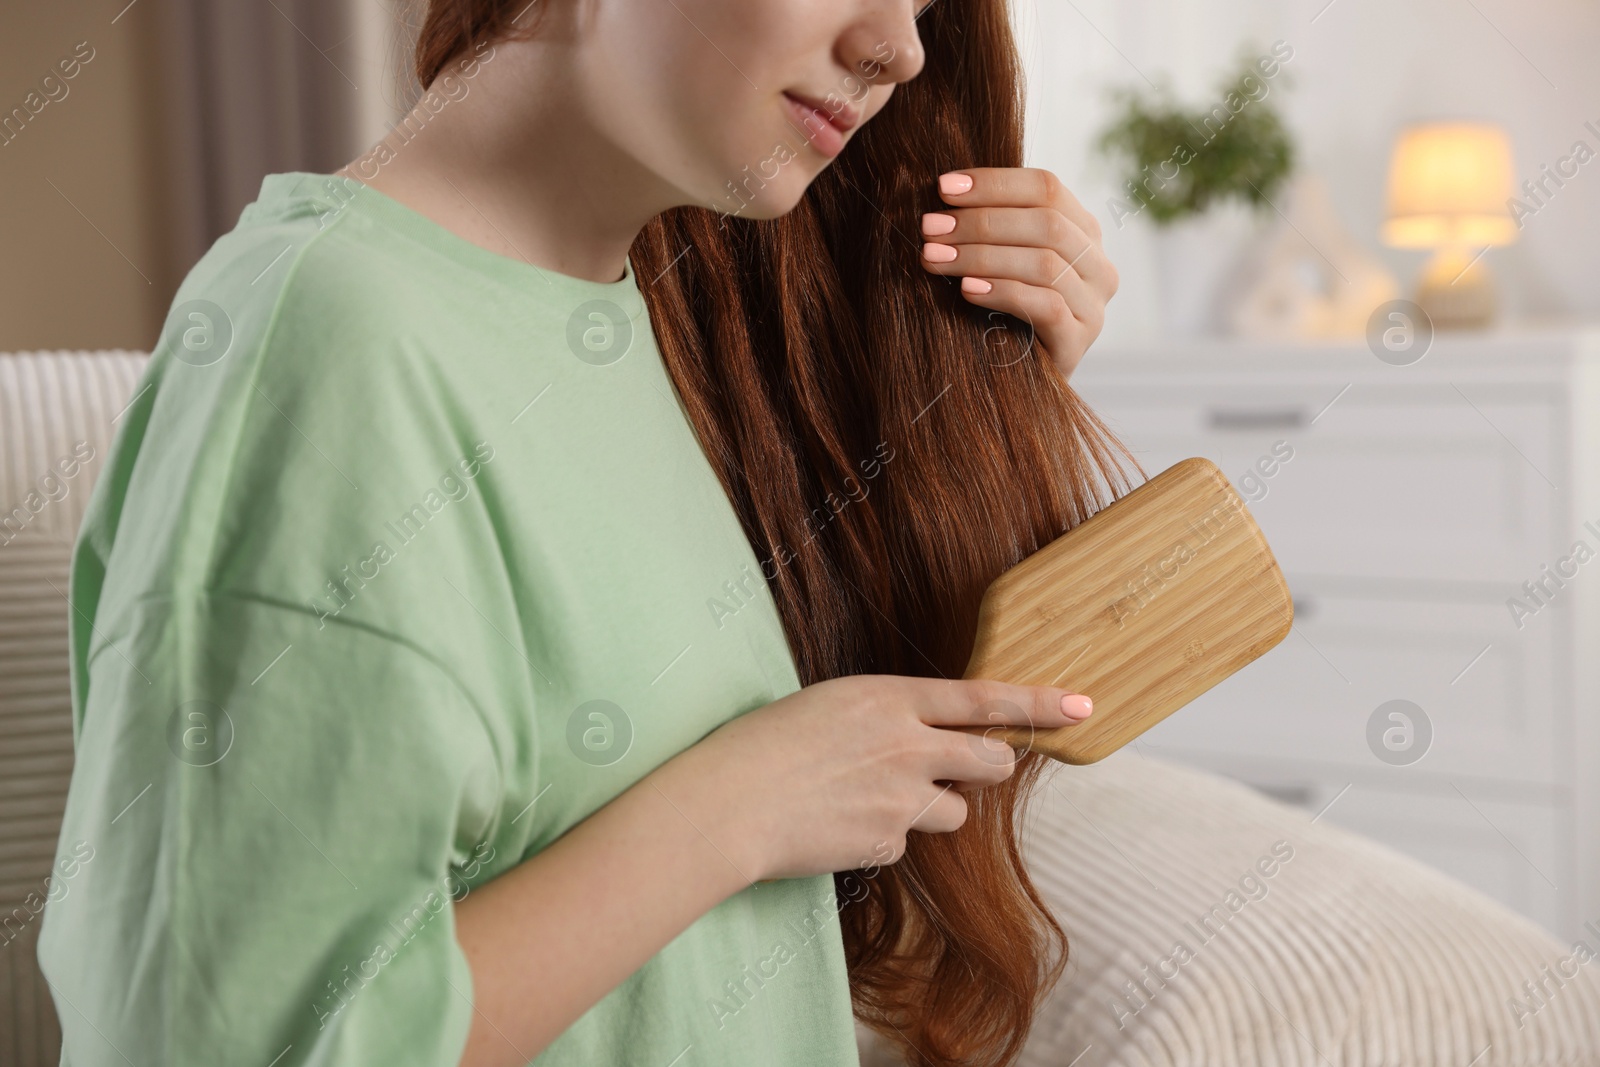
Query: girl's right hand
[{"x": 832, "y": 778}]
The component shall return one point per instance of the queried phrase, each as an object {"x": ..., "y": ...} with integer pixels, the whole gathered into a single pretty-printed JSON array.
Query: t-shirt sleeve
[{"x": 269, "y": 818}]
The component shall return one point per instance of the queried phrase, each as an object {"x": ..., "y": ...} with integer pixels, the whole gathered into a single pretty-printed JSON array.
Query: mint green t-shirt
[{"x": 406, "y": 560}]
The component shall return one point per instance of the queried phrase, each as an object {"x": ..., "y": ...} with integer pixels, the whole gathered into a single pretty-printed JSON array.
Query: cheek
[
  {"x": 735, "y": 148},
  {"x": 686, "y": 108},
  {"x": 768, "y": 159},
  {"x": 745, "y": 144},
  {"x": 708, "y": 133},
  {"x": 655, "y": 97}
]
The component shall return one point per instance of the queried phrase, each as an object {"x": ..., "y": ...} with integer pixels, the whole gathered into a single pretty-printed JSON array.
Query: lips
[
  {"x": 827, "y": 135},
  {"x": 843, "y": 121}
]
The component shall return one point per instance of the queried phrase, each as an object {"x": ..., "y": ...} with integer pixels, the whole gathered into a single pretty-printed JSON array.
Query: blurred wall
[
  {"x": 81, "y": 249},
  {"x": 1361, "y": 69},
  {"x": 114, "y": 181}
]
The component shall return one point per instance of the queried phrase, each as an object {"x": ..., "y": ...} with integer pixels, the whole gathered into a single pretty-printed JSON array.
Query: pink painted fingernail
[
  {"x": 954, "y": 183},
  {"x": 937, "y": 253},
  {"x": 975, "y": 285},
  {"x": 1077, "y": 705},
  {"x": 934, "y": 223}
]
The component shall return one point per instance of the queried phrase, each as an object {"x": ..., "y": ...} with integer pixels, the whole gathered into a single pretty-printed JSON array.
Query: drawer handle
[
  {"x": 1257, "y": 418},
  {"x": 1299, "y": 796}
]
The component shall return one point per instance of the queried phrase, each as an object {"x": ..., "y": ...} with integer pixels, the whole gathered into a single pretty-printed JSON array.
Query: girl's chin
[{"x": 751, "y": 195}]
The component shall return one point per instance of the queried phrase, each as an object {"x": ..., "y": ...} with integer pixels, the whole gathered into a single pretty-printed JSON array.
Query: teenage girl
[{"x": 523, "y": 613}]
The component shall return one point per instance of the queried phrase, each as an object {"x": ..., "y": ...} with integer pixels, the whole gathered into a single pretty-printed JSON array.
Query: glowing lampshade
[{"x": 1449, "y": 183}]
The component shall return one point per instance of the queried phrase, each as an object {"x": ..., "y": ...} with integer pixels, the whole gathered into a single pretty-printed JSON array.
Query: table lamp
[{"x": 1449, "y": 183}]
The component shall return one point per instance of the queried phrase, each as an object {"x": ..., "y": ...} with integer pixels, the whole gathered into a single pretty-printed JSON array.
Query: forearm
[{"x": 548, "y": 939}]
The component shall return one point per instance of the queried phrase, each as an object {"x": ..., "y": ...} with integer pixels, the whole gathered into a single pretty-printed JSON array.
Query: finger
[
  {"x": 1066, "y": 201},
  {"x": 1090, "y": 274},
  {"x": 1045, "y": 308},
  {"x": 1024, "y": 227},
  {"x": 972, "y": 757},
  {"x": 981, "y": 702},
  {"x": 1000, "y": 187},
  {"x": 1061, "y": 331},
  {"x": 993, "y": 750},
  {"x": 944, "y": 812},
  {"x": 1015, "y": 187}
]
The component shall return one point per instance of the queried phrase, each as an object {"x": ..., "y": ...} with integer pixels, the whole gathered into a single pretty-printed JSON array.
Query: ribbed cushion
[
  {"x": 50, "y": 404},
  {"x": 1353, "y": 955},
  {"x": 1348, "y": 955}
]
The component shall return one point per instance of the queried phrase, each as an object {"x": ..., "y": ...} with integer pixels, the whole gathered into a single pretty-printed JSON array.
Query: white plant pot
[{"x": 1197, "y": 263}]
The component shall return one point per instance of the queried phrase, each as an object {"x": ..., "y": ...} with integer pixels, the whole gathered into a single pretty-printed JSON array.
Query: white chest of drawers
[{"x": 1417, "y": 507}]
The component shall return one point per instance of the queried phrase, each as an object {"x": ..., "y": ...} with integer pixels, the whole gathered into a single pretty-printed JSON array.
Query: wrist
[{"x": 708, "y": 803}]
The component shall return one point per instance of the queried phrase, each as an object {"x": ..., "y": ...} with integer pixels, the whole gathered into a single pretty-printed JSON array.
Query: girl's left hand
[{"x": 1023, "y": 244}]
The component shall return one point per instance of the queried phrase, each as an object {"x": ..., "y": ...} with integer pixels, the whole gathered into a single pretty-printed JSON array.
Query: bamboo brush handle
[{"x": 1153, "y": 600}]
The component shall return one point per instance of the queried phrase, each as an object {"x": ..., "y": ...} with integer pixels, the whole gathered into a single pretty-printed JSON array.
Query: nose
[{"x": 882, "y": 46}]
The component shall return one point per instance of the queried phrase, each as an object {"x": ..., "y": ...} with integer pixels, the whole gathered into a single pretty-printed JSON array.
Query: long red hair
[{"x": 806, "y": 350}]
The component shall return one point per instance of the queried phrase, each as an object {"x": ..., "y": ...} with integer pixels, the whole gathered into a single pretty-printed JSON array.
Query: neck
[{"x": 511, "y": 162}]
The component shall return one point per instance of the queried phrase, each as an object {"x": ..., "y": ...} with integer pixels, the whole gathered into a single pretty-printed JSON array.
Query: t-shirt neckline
[{"x": 340, "y": 193}]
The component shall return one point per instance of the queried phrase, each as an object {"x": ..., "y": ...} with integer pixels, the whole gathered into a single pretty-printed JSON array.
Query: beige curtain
[{"x": 249, "y": 89}]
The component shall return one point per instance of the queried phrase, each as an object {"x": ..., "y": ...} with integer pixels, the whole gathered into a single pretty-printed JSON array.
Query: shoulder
[
  {"x": 304, "y": 315},
  {"x": 289, "y": 410},
  {"x": 295, "y": 292}
]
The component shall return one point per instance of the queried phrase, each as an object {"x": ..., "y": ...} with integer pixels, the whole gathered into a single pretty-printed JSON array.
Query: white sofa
[
  {"x": 1344, "y": 953},
  {"x": 1209, "y": 925}
]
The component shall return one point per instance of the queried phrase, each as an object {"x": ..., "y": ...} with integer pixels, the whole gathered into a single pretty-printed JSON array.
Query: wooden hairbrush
[{"x": 1144, "y": 606}]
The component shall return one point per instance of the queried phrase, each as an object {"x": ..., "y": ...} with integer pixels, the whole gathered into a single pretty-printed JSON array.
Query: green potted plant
[{"x": 1177, "y": 163}]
